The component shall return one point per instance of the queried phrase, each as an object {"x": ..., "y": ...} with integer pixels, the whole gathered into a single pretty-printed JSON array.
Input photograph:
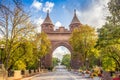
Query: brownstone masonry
[{"x": 60, "y": 37}]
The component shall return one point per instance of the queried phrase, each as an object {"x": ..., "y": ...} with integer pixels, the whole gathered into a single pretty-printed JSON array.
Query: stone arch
[
  {"x": 60, "y": 37},
  {"x": 54, "y": 44},
  {"x": 75, "y": 63},
  {"x": 65, "y": 44}
]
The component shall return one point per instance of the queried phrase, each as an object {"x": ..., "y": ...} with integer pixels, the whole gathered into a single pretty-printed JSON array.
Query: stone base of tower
[
  {"x": 47, "y": 61},
  {"x": 75, "y": 64}
]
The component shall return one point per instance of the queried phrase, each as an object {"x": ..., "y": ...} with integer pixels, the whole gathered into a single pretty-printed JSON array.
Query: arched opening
[
  {"x": 74, "y": 62},
  {"x": 59, "y": 53}
]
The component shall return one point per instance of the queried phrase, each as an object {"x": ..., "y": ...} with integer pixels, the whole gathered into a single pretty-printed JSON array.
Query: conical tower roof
[
  {"x": 47, "y": 19},
  {"x": 75, "y": 18}
]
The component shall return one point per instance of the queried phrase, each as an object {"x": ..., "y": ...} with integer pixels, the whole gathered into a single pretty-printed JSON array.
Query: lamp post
[
  {"x": 2, "y": 48},
  {"x": 87, "y": 63},
  {"x": 43, "y": 64},
  {"x": 100, "y": 61},
  {"x": 39, "y": 65}
]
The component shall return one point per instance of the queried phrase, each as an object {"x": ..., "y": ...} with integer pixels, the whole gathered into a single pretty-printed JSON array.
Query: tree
[
  {"x": 66, "y": 60},
  {"x": 109, "y": 37},
  {"x": 112, "y": 54},
  {"x": 14, "y": 25},
  {"x": 114, "y": 8},
  {"x": 109, "y": 41},
  {"x": 42, "y": 43},
  {"x": 83, "y": 41},
  {"x": 55, "y": 61},
  {"x": 22, "y": 45},
  {"x": 23, "y": 54}
]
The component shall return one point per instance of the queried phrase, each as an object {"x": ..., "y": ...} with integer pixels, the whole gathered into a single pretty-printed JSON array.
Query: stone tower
[
  {"x": 47, "y": 25},
  {"x": 75, "y": 23}
]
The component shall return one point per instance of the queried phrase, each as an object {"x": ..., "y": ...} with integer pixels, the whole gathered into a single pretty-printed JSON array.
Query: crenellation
[{"x": 61, "y": 29}]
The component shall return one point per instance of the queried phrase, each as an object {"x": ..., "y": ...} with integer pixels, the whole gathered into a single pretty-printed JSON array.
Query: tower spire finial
[
  {"x": 75, "y": 18},
  {"x": 47, "y": 19},
  {"x": 75, "y": 12},
  {"x": 47, "y": 12}
]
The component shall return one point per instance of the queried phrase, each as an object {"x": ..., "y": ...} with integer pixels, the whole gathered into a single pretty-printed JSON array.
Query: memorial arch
[{"x": 60, "y": 37}]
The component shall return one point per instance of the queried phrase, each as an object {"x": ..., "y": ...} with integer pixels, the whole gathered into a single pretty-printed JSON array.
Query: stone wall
[{"x": 18, "y": 75}]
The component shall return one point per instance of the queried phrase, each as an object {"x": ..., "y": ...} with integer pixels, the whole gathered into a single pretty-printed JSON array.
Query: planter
[
  {"x": 17, "y": 74},
  {"x": 26, "y": 73},
  {"x": 32, "y": 72},
  {"x": 96, "y": 78}
]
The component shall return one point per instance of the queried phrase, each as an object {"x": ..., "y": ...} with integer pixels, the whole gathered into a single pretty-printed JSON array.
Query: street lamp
[
  {"x": 43, "y": 64},
  {"x": 87, "y": 63},
  {"x": 2, "y": 46},
  {"x": 39, "y": 65}
]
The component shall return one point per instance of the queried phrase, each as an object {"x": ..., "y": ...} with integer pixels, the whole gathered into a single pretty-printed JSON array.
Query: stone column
[
  {"x": 75, "y": 61},
  {"x": 3, "y": 72},
  {"x": 47, "y": 61}
]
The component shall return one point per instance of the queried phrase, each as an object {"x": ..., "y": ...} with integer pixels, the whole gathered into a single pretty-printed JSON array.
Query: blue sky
[{"x": 91, "y": 12}]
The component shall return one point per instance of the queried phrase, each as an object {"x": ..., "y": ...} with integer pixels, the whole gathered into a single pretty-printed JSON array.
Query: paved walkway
[{"x": 59, "y": 74}]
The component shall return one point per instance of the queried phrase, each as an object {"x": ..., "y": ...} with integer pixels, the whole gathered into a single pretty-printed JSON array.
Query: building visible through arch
[{"x": 60, "y": 37}]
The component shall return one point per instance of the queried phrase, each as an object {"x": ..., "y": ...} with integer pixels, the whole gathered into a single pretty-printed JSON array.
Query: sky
[
  {"x": 60, "y": 51},
  {"x": 91, "y": 12}
]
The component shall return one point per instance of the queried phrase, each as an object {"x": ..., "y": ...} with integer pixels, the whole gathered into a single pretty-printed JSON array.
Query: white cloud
[
  {"x": 37, "y": 5},
  {"x": 1, "y": 34},
  {"x": 41, "y": 6},
  {"x": 38, "y": 22},
  {"x": 95, "y": 15},
  {"x": 48, "y": 6},
  {"x": 60, "y": 51},
  {"x": 58, "y": 24}
]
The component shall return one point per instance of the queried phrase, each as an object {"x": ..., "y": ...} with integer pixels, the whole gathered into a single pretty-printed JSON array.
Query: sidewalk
[{"x": 30, "y": 77}]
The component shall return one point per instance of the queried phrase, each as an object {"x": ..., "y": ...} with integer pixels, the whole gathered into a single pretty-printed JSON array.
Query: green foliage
[
  {"x": 109, "y": 38},
  {"x": 94, "y": 57},
  {"x": 24, "y": 54},
  {"x": 21, "y": 52},
  {"x": 42, "y": 44},
  {"x": 66, "y": 60},
  {"x": 112, "y": 56},
  {"x": 83, "y": 41},
  {"x": 114, "y": 8},
  {"x": 108, "y": 35},
  {"x": 22, "y": 49},
  {"x": 15, "y": 28},
  {"x": 19, "y": 65},
  {"x": 55, "y": 61},
  {"x": 108, "y": 63}
]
